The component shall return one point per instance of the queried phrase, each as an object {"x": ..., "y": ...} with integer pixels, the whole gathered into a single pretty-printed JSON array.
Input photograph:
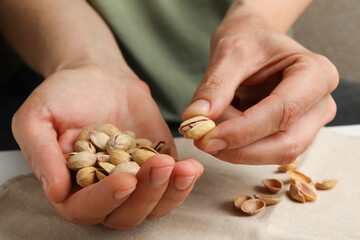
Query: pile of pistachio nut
[
  {"x": 302, "y": 189},
  {"x": 105, "y": 150}
]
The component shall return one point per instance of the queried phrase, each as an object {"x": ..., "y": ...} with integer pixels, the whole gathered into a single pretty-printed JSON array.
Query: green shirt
[{"x": 166, "y": 43}]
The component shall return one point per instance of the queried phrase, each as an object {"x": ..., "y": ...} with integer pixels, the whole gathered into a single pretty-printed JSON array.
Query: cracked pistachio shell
[
  {"x": 161, "y": 147},
  {"x": 273, "y": 185},
  {"x": 99, "y": 140},
  {"x": 308, "y": 190},
  {"x": 325, "y": 184},
  {"x": 142, "y": 154},
  {"x": 120, "y": 141},
  {"x": 69, "y": 155},
  {"x": 81, "y": 160},
  {"x": 269, "y": 200},
  {"x": 86, "y": 176},
  {"x": 240, "y": 199},
  {"x": 106, "y": 166},
  {"x": 118, "y": 156},
  {"x": 290, "y": 166},
  {"x": 143, "y": 142},
  {"x": 252, "y": 206},
  {"x": 82, "y": 145},
  {"x": 108, "y": 129},
  {"x": 296, "y": 194},
  {"x": 84, "y": 134},
  {"x": 128, "y": 167},
  {"x": 196, "y": 127},
  {"x": 298, "y": 176},
  {"x": 130, "y": 133}
]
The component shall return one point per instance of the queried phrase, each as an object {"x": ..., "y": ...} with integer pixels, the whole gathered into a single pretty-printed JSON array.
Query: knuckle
[
  {"x": 211, "y": 82},
  {"x": 289, "y": 111},
  {"x": 330, "y": 69},
  {"x": 228, "y": 46}
]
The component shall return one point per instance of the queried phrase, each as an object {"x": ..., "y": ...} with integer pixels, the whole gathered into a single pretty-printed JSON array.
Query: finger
[
  {"x": 303, "y": 86},
  {"x": 92, "y": 204},
  {"x": 37, "y": 139},
  {"x": 231, "y": 63},
  {"x": 153, "y": 179},
  {"x": 183, "y": 179},
  {"x": 285, "y": 146}
]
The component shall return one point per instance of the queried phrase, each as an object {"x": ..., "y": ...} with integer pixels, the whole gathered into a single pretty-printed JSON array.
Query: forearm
[
  {"x": 279, "y": 14},
  {"x": 57, "y": 34}
]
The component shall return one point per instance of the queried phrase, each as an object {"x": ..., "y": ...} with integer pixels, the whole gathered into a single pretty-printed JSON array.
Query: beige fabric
[{"x": 208, "y": 213}]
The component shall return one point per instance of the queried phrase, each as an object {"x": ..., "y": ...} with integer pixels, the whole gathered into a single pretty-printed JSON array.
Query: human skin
[
  {"x": 268, "y": 94},
  {"x": 88, "y": 83}
]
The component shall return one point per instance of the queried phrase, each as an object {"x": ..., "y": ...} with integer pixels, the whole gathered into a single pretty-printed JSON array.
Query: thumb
[{"x": 38, "y": 141}]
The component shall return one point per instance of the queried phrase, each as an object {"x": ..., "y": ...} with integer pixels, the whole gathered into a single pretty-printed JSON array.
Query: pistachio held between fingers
[{"x": 196, "y": 127}]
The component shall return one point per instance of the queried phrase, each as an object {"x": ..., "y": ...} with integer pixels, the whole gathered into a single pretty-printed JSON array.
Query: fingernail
[
  {"x": 183, "y": 183},
  {"x": 200, "y": 106},
  {"x": 118, "y": 195},
  {"x": 160, "y": 175},
  {"x": 215, "y": 145},
  {"x": 44, "y": 182}
]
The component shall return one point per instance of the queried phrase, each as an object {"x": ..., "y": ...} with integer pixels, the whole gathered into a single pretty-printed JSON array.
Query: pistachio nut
[
  {"x": 106, "y": 166},
  {"x": 99, "y": 175},
  {"x": 269, "y": 200},
  {"x": 108, "y": 129},
  {"x": 143, "y": 142},
  {"x": 84, "y": 134},
  {"x": 81, "y": 160},
  {"x": 253, "y": 206},
  {"x": 196, "y": 127},
  {"x": 69, "y": 155},
  {"x": 83, "y": 145},
  {"x": 273, "y": 185},
  {"x": 161, "y": 147},
  {"x": 86, "y": 176},
  {"x": 102, "y": 157},
  {"x": 120, "y": 141},
  {"x": 142, "y": 154},
  {"x": 130, "y": 133},
  {"x": 290, "y": 166},
  {"x": 240, "y": 199},
  {"x": 325, "y": 184},
  {"x": 99, "y": 140},
  {"x": 118, "y": 156},
  {"x": 128, "y": 167}
]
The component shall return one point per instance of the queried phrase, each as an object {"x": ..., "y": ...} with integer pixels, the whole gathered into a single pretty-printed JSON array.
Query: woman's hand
[
  {"x": 47, "y": 124},
  {"x": 268, "y": 94}
]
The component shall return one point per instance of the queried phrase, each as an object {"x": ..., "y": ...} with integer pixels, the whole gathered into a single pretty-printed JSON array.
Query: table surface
[{"x": 14, "y": 164}]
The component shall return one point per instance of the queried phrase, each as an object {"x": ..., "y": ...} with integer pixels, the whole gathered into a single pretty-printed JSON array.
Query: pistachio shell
[
  {"x": 128, "y": 167},
  {"x": 106, "y": 166},
  {"x": 130, "y": 133},
  {"x": 308, "y": 191},
  {"x": 83, "y": 145},
  {"x": 253, "y": 206},
  {"x": 99, "y": 175},
  {"x": 142, "y": 154},
  {"x": 86, "y": 176},
  {"x": 325, "y": 184},
  {"x": 143, "y": 142},
  {"x": 161, "y": 147},
  {"x": 196, "y": 127},
  {"x": 269, "y": 200},
  {"x": 296, "y": 194},
  {"x": 108, "y": 129},
  {"x": 69, "y": 155},
  {"x": 81, "y": 160},
  {"x": 290, "y": 166},
  {"x": 99, "y": 140},
  {"x": 298, "y": 176},
  {"x": 84, "y": 134},
  {"x": 120, "y": 141},
  {"x": 273, "y": 185},
  {"x": 118, "y": 156},
  {"x": 240, "y": 199},
  {"x": 102, "y": 157}
]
